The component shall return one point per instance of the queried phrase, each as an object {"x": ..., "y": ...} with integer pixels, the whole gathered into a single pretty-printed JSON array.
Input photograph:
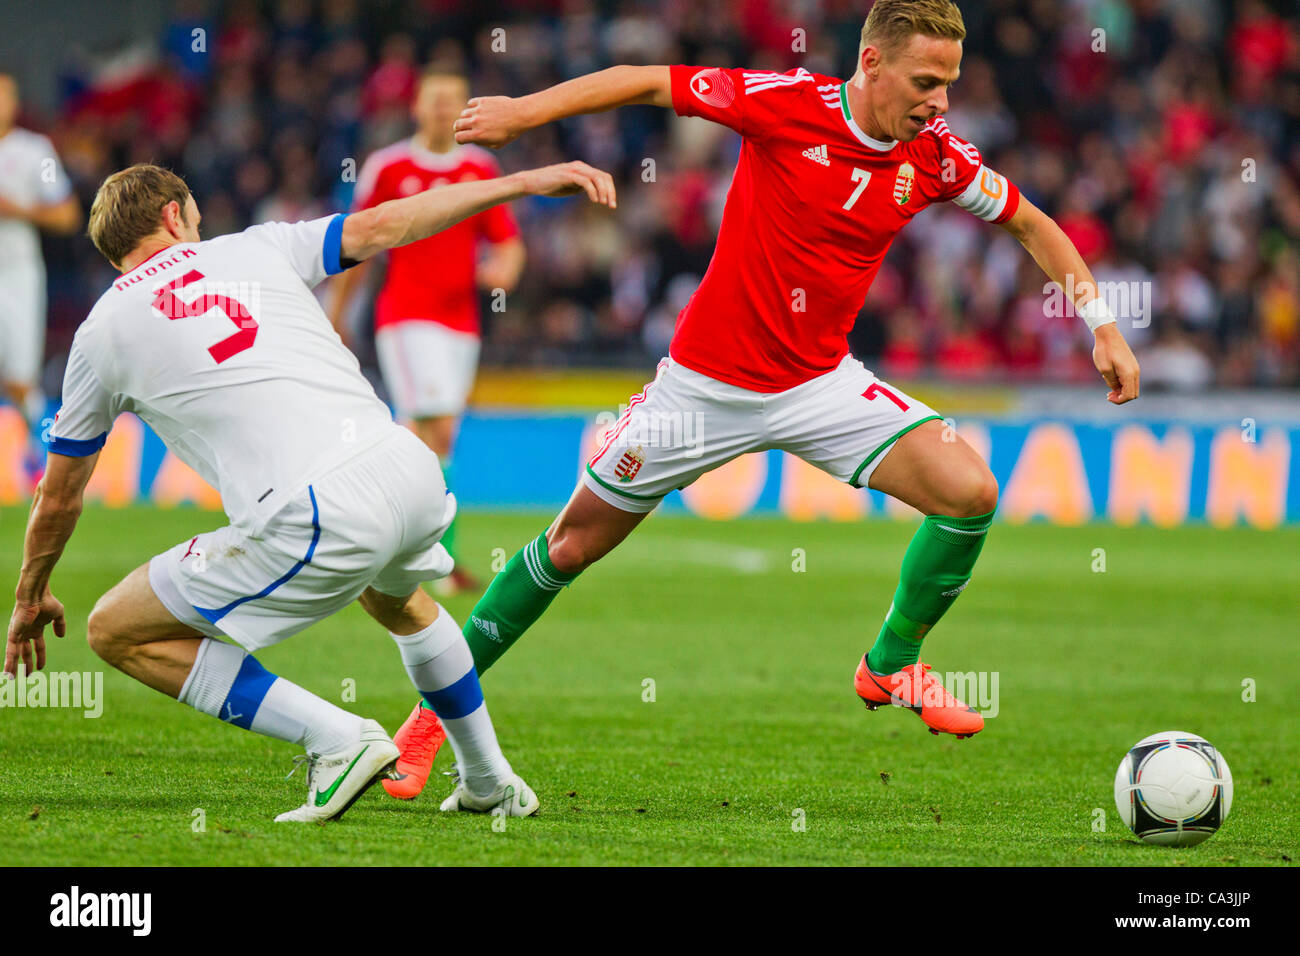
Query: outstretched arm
[
  {"x": 1057, "y": 257},
  {"x": 496, "y": 120},
  {"x": 401, "y": 221},
  {"x": 55, "y": 510}
]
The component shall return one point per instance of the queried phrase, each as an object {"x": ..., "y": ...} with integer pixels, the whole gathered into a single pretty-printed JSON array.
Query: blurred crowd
[{"x": 1164, "y": 136}]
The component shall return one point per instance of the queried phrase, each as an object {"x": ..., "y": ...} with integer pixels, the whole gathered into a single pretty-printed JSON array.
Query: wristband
[{"x": 1096, "y": 313}]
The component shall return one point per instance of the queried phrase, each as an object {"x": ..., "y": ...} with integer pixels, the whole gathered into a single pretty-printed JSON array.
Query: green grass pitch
[{"x": 754, "y": 749}]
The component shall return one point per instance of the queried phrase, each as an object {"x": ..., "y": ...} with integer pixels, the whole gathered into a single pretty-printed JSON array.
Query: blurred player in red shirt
[{"x": 427, "y": 331}]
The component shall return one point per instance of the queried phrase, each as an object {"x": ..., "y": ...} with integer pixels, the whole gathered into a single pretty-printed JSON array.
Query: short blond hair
[
  {"x": 128, "y": 208},
  {"x": 891, "y": 23},
  {"x": 444, "y": 70}
]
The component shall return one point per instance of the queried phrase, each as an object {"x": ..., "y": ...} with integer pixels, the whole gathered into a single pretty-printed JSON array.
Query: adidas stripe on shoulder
[{"x": 758, "y": 80}]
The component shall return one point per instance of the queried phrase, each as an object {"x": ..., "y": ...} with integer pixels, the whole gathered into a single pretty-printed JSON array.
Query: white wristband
[{"x": 1096, "y": 313}]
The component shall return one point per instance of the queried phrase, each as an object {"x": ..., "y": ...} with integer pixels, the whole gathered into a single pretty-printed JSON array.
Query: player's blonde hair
[
  {"x": 891, "y": 23},
  {"x": 444, "y": 70},
  {"x": 128, "y": 208}
]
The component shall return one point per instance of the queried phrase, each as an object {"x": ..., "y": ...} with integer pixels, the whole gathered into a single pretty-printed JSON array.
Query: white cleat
[
  {"x": 335, "y": 781},
  {"x": 511, "y": 795}
]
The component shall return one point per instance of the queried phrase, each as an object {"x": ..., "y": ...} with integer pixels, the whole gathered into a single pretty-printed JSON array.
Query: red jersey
[
  {"x": 432, "y": 280},
  {"x": 813, "y": 207}
]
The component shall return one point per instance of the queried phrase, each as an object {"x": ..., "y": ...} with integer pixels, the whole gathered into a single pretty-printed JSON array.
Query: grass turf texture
[{"x": 754, "y": 726}]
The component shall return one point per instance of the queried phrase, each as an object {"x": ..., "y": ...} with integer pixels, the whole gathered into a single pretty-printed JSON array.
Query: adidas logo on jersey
[{"x": 818, "y": 154}]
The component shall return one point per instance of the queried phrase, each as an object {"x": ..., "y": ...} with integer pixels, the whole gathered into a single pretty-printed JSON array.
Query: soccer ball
[{"x": 1173, "y": 789}]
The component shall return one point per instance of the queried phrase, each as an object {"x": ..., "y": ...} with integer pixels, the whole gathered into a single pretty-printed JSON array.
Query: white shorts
[
  {"x": 22, "y": 325},
  {"x": 428, "y": 368},
  {"x": 684, "y": 424},
  {"x": 372, "y": 522}
]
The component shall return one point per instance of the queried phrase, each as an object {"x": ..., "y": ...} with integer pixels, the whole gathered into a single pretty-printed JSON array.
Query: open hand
[
  {"x": 27, "y": 633},
  {"x": 567, "y": 179}
]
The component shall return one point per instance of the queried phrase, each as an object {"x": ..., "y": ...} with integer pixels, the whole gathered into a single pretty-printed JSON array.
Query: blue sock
[{"x": 228, "y": 683}]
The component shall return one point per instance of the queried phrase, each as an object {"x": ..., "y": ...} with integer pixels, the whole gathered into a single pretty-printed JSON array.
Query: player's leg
[
  {"x": 637, "y": 464},
  {"x": 647, "y": 453},
  {"x": 586, "y": 530},
  {"x": 131, "y": 629},
  {"x": 866, "y": 432},
  {"x": 441, "y": 668},
  {"x": 429, "y": 371},
  {"x": 22, "y": 354},
  {"x": 439, "y": 433},
  {"x": 932, "y": 469}
]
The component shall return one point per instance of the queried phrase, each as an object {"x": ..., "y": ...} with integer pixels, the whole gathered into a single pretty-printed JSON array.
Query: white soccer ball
[{"x": 1173, "y": 789}]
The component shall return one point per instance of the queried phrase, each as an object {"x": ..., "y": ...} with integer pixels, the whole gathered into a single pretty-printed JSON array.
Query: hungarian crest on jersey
[
  {"x": 629, "y": 464},
  {"x": 903, "y": 183}
]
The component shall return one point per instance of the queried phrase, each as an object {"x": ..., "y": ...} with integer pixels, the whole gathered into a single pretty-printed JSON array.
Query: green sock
[
  {"x": 448, "y": 539},
  {"x": 936, "y": 568},
  {"x": 516, "y": 598}
]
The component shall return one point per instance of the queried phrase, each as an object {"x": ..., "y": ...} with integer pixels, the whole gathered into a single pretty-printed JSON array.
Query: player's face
[
  {"x": 438, "y": 104},
  {"x": 911, "y": 83}
]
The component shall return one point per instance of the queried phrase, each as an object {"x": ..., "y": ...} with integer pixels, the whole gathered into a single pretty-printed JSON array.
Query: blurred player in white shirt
[
  {"x": 222, "y": 349},
  {"x": 35, "y": 193}
]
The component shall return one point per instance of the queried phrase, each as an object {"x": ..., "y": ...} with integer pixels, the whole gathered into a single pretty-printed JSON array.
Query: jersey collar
[
  {"x": 437, "y": 162},
  {"x": 870, "y": 141}
]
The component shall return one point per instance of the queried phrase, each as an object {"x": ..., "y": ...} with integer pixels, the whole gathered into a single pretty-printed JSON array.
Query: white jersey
[
  {"x": 223, "y": 350},
  {"x": 30, "y": 175}
]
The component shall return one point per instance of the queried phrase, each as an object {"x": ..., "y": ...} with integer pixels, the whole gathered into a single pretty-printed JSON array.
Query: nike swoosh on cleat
[
  {"x": 892, "y": 696},
  {"x": 323, "y": 797}
]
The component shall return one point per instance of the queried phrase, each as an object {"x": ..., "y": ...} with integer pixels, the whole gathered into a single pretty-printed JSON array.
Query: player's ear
[
  {"x": 869, "y": 62},
  {"x": 173, "y": 217}
]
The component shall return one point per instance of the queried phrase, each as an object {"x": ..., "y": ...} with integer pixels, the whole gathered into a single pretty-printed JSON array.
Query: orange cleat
[
  {"x": 418, "y": 741},
  {"x": 923, "y": 694}
]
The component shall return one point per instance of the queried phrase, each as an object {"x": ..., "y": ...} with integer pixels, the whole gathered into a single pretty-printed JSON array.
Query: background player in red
[
  {"x": 427, "y": 332},
  {"x": 829, "y": 172}
]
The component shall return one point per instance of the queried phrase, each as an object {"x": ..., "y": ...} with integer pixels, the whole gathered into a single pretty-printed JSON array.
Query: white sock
[
  {"x": 229, "y": 684},
  {"x": 441, "y": 667}
]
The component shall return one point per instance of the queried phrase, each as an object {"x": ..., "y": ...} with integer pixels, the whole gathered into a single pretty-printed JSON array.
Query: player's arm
[
  {"x": 343, "y": 288},
  {"x": 496, "y": 120},
  {"x": 401, "y": 221},
  {"x": 1059, "y": 259},
  {"x": 55, "y": 510},
  {"x": 502, "y": 266},
  {"x": 61, "y": 218}
]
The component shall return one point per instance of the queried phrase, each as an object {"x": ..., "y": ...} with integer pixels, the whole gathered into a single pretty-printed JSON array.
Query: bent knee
[
  {"x": 568, "y": 553},
  {"x": 983, "y": 495},
  {"x": 976, "y": 494},
  {"x": 101, "y": 634}
]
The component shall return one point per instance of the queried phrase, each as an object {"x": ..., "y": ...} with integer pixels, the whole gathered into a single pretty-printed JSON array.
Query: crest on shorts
[
  {"x": 903, "y": 183},
  {"x": 629, "y": 464}
]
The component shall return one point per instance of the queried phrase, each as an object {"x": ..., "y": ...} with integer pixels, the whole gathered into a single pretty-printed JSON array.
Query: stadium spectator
[{"x": 1168, "y": 145}]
